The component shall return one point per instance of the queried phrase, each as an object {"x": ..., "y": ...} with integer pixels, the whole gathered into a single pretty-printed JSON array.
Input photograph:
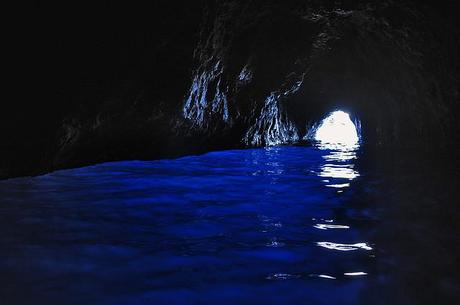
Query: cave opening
[{"x": 337, "y": 131}]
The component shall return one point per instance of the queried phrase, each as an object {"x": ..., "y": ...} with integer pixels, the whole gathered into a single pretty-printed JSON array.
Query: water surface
[{"x": 283, "y": 225}]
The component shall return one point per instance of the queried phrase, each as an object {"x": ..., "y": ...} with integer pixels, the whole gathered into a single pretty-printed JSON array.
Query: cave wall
[
  {"x": 166, "y": 79},
  {"x": 284, "y": 65}
]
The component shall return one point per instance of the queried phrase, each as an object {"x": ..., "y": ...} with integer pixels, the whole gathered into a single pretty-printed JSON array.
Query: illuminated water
[{"x": 285, "y": 225}]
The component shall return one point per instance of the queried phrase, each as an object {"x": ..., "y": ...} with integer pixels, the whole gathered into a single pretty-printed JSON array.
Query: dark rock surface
[{"x": 171, "y": 78}]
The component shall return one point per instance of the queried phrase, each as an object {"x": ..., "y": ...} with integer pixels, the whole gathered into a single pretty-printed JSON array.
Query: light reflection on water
[
  {"x": 344, "y": 247},
  {"x": 338, "y": 164},
  {"x": 224, "y": 227},
  {"x": 323, "y": 226}
]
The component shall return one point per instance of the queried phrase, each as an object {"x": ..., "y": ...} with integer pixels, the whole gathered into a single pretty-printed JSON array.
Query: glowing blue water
[{"x": 260, "y": 226}]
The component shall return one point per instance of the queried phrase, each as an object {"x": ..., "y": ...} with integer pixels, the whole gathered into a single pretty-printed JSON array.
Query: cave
[{"x": 233, "y": 152}]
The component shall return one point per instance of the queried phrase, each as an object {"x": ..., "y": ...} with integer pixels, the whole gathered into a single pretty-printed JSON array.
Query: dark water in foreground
[{"x": 286, "y": 225}]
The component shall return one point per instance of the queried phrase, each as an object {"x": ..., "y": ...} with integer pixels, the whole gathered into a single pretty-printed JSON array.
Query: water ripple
[
  {"x": 282, "y": 276},
  {"x": 323, "y": 226},
  {"x": 344, "y": 247},
  {"x": 324, "y": 276},
  {"x": 359, "y": 273}
]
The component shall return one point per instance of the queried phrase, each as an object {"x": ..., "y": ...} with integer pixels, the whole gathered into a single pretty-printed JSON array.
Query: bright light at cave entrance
[{"x": 337, "y": 130}]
